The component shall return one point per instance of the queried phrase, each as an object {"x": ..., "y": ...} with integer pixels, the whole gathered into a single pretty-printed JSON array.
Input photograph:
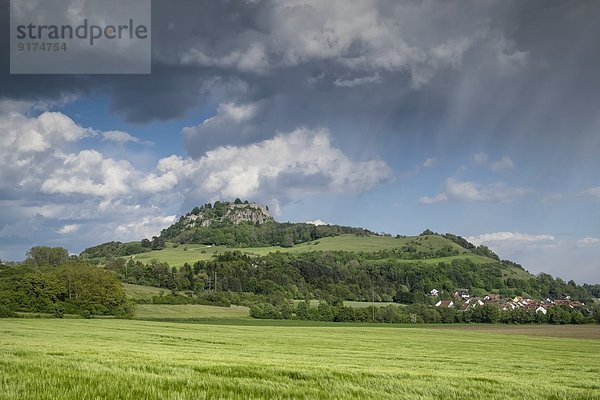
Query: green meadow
[
  {"x": 121, "y": 359},
  {"x": 177, "y": 255},
  {"x": 188, "y": 311}
]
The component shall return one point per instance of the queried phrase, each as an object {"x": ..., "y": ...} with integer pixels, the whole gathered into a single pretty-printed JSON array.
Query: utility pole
[{"x": 215, "y": 279}]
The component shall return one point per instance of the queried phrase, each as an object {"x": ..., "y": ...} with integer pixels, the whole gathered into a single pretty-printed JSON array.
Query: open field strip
[
  {"x": 119, "y": 359},
  {"x": 139, "y": 292},
  {"x": 563, "y": 331},
  {"x": 190, "y": 253},
  {"x": 188, "y": 311}
]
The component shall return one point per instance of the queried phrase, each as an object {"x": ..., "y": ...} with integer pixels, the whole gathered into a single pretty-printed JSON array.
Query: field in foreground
[
  {"x": 188, "y": 311},
  {"x": 117, "y": 359}
]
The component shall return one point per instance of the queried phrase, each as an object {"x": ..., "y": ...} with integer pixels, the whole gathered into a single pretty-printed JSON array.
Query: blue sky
[{"x": 480, "y": 120}]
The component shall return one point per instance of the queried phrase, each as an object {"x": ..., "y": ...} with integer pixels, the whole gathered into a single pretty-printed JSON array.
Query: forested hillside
[
  {"x": 245, "y": 225},
  {"x": 345, "y": 276}
]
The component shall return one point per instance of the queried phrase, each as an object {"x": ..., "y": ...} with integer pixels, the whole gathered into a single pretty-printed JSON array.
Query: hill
[
  {"x": 236, "y": 253},
  {"x": 243, "y": 224}
]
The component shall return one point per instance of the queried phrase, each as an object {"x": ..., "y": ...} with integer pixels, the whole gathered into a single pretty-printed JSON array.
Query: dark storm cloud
[{"x": 491, "y": 73}]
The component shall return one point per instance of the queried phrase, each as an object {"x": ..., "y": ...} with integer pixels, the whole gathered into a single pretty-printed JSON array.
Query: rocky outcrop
[
  {"x": 255, "y": 213},
  {"x": 234, "y": 213}
]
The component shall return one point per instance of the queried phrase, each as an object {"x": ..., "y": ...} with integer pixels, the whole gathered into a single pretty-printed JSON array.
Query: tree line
[
  {"x": 50, "y": 281},
  {"x": 419, "y": 313},
  {"x": 331, "y": 275}
]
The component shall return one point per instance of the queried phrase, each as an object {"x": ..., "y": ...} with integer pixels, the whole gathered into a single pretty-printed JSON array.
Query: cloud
[
  {"x": 546, "y": 253},
  {"x": 553, "y": 198},
  {"x": 593, "y": 192},
  {"x": 466, "y": 191},
  {"x": 146, "y": 227},
  {"x": 89, "y": 173},
  {"x": 119, "y": 137},
  {"x": 251, "y": 59},
  {"x": 499, "y": 238},
  {"x": 429, "y": 163},
  {"x": 317, "y": 222},
  {"x": 505, "y": 163},
  {"x": 298, "y": 163},
  {"x": 588, "y": 242},
  {"x": 22, "y": 228},
  {"x": 24, "y": 136},
  {"x": 54, "y": 189},
  {"x": 481, "y": 158},
  {"x": 357, "y": 81},
  {"x": 29, "y": 144},
  {"x": 153, "y": 183},
  {"x": 439, "y": 198},
  {"x": 69, "y": 228},
  {"x": 228, "y": 126}
]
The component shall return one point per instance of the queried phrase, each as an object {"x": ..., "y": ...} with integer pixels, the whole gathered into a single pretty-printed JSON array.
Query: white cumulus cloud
[
  {"x": 467, "y": 191},
  {"x": 89, "y": 173},
  {"x": 69, "y": 228},
  {"x": 119, "y": 137},
  {"x": 299, "y": 163},
  {"x": 505, "y": 237}
]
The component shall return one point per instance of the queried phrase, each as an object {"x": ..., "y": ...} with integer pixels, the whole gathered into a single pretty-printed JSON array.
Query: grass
[
  {"x": 190, "y": 253},
  {"x": 564, "y": 331},
  {"x": 188, "y": 311},
  {"x": 139, "y": 292},
  {"x": 118, "y": 359}
]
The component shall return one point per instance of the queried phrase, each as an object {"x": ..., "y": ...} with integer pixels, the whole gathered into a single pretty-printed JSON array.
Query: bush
[
  {"x": 59, "y": 311},
  {"x": 6, "y": 312}
]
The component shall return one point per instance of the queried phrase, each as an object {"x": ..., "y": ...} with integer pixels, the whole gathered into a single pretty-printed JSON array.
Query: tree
[
  {"x": 237, "y": 201},
  {"x": 158, "y": 243},
  {"x": 47, "y": 256}
]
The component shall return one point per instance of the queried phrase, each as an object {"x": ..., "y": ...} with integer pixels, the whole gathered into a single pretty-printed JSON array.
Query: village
[{"x": 463, "y": 301}]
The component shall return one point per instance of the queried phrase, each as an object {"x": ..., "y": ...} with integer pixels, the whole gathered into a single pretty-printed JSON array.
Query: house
[
  {"x": 510, "y": 306},
  {"x": 434, "y": 292},
  {"x": 541, "y": 309},
  {"x": 462, "y": 294},
  {"x": 445, "y": 303},
  {"x": 492, "y": 298},
  {"x": 473, "y": 301}
]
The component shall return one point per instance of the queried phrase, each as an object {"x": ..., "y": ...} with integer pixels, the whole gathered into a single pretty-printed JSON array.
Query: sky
[{"x": 478, "y": 118}]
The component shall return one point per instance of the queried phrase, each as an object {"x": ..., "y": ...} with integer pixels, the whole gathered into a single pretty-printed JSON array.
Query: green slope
[
  {"x": 429, "y": 245},
  {"x": 190, "y": 253}
]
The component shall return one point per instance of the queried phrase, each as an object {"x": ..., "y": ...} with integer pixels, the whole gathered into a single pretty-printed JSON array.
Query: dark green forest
[
  {"x": 50, "y": 281},
  {"x": 345, "y": 275}
]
